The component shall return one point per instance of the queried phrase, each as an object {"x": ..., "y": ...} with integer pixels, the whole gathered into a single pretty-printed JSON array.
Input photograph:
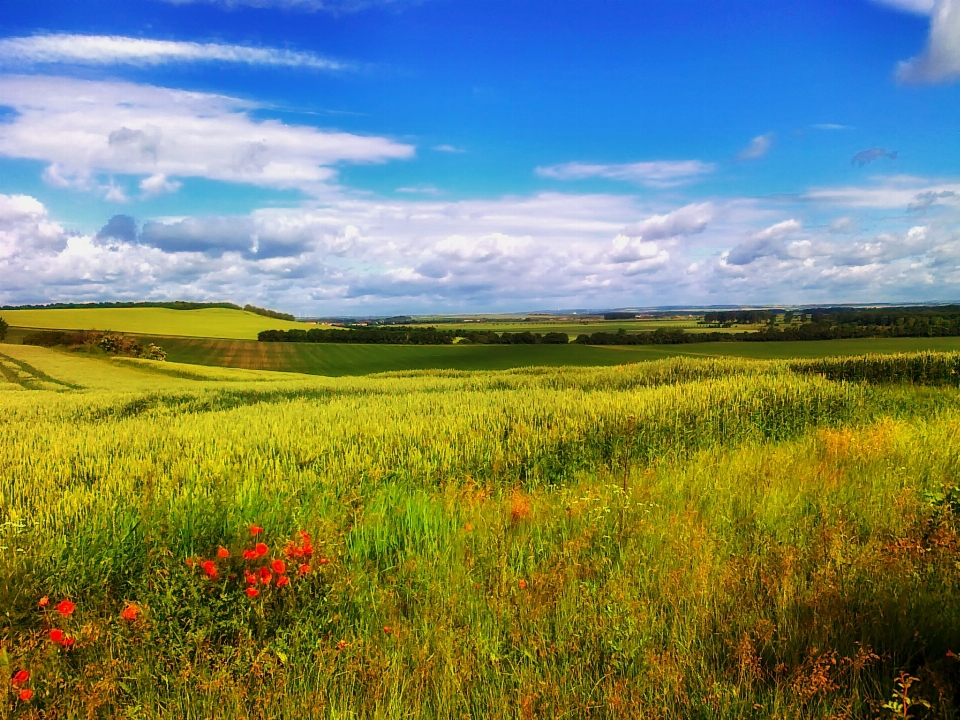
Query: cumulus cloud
[
  {"x": 758, "y": 147},
  {"x": 119, "y": 50},
  {"x": 766, "y": 243},
  {"x": 158, "y": 184},
  {"x": 660, "y": 174},
  {"x": 865, "y": 157},
  {"x": 940, "y": 60},
  {"x": 82, "y": 127},
  {"x": 551, "y": 250}
]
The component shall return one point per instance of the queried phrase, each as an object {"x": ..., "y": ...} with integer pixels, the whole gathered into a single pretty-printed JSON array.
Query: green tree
[{"x": 3, "y": 328}]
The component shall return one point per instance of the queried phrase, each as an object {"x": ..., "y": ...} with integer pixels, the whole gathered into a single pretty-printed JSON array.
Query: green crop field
[
  {"x": 337, "y": 360},
  {"x": 682, "y": 538},
  {"x": 207, "y": 322}
]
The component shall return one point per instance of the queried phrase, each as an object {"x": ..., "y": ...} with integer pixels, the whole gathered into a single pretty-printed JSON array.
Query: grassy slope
[
  {"x": 690, "y": 538},
  {"x": 208, "y": 322}
]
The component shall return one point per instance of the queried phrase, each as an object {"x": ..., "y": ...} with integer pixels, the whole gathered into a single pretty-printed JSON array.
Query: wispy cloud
[
  {"x": 866, "y": 157},
  {"x": 448, "y": 149},
  {"x": 118, "y": 50},
  {"x": 81, "y": 128},
  {"x": 662, "y": 174},
  {"x": 940, "y": 60},
  {"x": 757, "y": 148},
  {"x": 832, "y": 126}
]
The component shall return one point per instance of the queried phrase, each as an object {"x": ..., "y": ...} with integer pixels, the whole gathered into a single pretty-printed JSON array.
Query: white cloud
[
  {"x": 890, "y": 193},
  {"x": 118, "y": 50},
  {"x": 114, "y": 193},
  {"x": 158, "y": 184},
  {"x": 758, "y": 147},
  {"x": 940, "y": 60},
  {"x": 832, "y": 126},
  {"x": 83, "y": 127},
  {"x": 448, "y": 149},
  {"x": 660, "y": 174},
  {"x": 363, "y": 255}
]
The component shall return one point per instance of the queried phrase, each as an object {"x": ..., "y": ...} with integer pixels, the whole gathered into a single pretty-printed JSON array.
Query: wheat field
[{"x": 689, "y": 538}]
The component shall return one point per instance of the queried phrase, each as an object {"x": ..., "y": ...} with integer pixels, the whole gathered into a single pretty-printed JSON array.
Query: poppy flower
[
  {"x": 20, "y": 677},
  {"x": 66, "y": 608},
  {"x": 387, "y": 629},
  {"x": 130, "y": 612},
  {"x": 341, "y": 645},
  {"x": 249, "y": 554},
  {"x": 468, "y": 527},
  {"x": 523, "y": 584},
  {"x": 304, "y": 569},
  {"x": 307, "y": 548},
  {"x": 255, "y": 529},
  {"x": 222, "y": 552},
  {"x": 252, "y": 592},
  {"x": 279, "y": 567},
  {"x": 304, "y": 535},
  {"x": 283, "y": 581},
  {"x": 261, "y": 549},
  {"x": 209, "y": 568},
  {"x": 251, "y": 579},
  {"x": 189, "y": 562},
  {"x": 292, "y": 551},
  {"x": 324, "y": 561},
  {"x": 25, "y": 695},
  {"x": 56, "y": 635},
  {"x": 67, "y": 642},
  {"x": 44, "y": 601}
]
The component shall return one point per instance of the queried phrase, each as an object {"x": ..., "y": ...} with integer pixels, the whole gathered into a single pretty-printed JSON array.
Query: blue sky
[{"x": 477, "y": 155}]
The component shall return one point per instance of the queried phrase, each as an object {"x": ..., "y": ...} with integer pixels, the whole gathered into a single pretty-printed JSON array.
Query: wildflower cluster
[
  {"x": 65, "y": 609},
  {"x": 262, "y": 571},
  {"x": 19, "y": 680}
]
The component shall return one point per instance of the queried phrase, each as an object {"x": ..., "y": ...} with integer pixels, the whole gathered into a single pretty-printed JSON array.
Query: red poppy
[
  {"x": 307, "y": 548},
  {"x": 67, "y": 642},
  {"x": 222, "y": 552},
  {"x": 304, "y": 569},
  {"x": 252, "y": 592},
  {"x": 249, "y": 554},
  {"x": 44, "y": 601},
  {"x": 189, "y": 562},
  {"x": 304, "y": 535},
  {"x": 25, "y": 695},
  {"x": 341, "y": 645},
  {"x": 283, "y": 581},
  {"x": 20, "y": 677},
  {"x": 130, "y": 612},
  {"x": 387, "y": 629},
  {"x": 324, "y": 561},
  {"x": 66, "y": 608},
  {"x": 266, "y": 578},
  {"x": 523, "y": 584},
  {"x": 468, "y": 527},
  {"x": 279, "y": 567},
  {"x": 209, "y": 568},
  {"x": 261, "y": 549},
  {"x": 56, "y": 635},
  {"x": 255, "y": 529},
  {"x": 251, "y": 579},
  {"x": 292, "y": 551}
]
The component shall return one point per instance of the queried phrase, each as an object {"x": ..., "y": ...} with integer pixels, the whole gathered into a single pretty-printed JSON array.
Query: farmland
[
  {"x": 208, "y": 322},
  {"x": 689, "y": 537}
]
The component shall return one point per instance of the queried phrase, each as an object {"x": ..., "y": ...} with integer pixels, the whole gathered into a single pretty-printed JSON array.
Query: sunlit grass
[{"x": 685, "y": 538}]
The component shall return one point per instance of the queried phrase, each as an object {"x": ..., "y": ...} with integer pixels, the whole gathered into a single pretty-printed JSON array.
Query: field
[
  {"x": 339, "y": 360},
  {"x": 207, "y": 322},
  {"x": 690, "y": 537}
]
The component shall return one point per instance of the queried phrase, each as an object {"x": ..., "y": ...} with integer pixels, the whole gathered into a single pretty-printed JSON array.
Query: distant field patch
[
  {"x": 338, "y": 360},
  {"x": 208, "y": 322}
]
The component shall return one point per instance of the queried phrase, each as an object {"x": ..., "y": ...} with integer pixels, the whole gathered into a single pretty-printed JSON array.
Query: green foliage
[
  {"x": 3, "y": 328},
  {"x": 713, "y": 538}
]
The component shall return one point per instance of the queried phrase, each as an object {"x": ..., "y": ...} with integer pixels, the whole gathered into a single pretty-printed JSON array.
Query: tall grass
[{"x": 678, "y": 539}]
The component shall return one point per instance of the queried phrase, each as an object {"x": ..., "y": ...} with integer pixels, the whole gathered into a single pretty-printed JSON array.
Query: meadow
[{"x": 682, "y": 538}]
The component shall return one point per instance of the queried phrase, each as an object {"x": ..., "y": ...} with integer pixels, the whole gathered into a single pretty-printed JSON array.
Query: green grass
[
  {"x": 337, "y": 360},
  {"x": 208, "y": 322},
  {"x": 685, "y": 538}
]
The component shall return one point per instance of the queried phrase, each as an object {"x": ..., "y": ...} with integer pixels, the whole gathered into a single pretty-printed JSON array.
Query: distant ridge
[{"x": 170, "y": 305}]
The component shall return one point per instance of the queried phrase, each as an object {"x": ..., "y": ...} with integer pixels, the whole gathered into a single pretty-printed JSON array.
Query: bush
[{"x": 3, "y": 328}]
